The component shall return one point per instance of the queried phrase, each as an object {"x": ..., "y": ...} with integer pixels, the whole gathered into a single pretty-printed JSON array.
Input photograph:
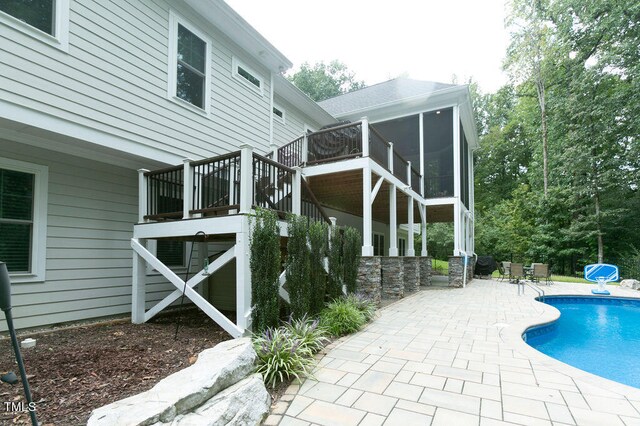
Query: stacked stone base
[
  {"x": 456, "y": 270},
  {"x": 392, "y": 277},
  {"x": 369, "y": 281}
]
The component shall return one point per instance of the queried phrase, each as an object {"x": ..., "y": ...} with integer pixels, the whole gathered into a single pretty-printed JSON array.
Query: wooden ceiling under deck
[{"x": 343, "y": 191}]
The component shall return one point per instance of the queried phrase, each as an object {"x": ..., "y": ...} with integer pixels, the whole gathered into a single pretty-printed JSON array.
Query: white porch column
[
  {"x": 246, "y": 178},
  {"x": 365, "y": 136},
  {"x": 143, "y": 194},
  {"x": 274, "y": 148},
  {"x": 243, "y": 278},
  {"x": 305, "y": 148},
  {"x": 390, "y": 157},
  {"x": 423, "y": 252},
  {"x": 456, "y": 228},
  {"x": 393, "y": 221},
  {"x": 421, "y": 131},
  {"x": 296, "y": 191},
  {"x": 138, "y": 290},
  {"x": 410, "y": 249},
  {"x": 367, "y": 227},
  {"x": 187, "y": 197}
]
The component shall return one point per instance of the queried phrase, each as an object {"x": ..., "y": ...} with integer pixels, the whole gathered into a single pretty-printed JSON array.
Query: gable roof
[{"x": 382, "y": 93}]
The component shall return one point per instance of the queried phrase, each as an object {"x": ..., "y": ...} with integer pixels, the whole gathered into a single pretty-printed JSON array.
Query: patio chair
[
  {"x": 541, "y": 272},
  {"x": 516, "y": 272},
  {"x": 503, "y": 270}
]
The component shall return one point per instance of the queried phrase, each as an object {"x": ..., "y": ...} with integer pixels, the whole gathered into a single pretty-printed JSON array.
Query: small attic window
[
  {"x": 278, "y": 113},
  {"x": 246, "y": 75}
]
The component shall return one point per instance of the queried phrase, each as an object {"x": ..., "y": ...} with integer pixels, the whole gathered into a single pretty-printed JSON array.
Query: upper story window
[
  {"x": 279, "y": 113},
  {"x": 45, "y": 20},
  {"x": 189, "y": 70},
  {"x": 23, "y": 219},
  {"x": 246, "y": 75}
]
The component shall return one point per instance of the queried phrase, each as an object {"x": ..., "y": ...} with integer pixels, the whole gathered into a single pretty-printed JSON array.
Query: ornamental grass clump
[
  {"x": 365, "y": 305},
  {"x": 281, "y": 356},
  {"x": 309, "y": 332},
  {"x": 342, "y": 317}
]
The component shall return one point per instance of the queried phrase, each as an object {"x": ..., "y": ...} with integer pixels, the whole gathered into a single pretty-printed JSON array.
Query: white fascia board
[
  {"x": 290, "y": 93},
  {"x": 28, "y": 117},
  {"x": 443, "y": 201},
  {"x": 227, "y": 20},
  {"x": 188, "y": 228}
]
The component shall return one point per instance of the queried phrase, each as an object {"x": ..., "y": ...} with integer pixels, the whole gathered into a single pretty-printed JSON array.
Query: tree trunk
[
  {"x": 599, "y": 228},
  {"x": 543, "y": 123}
]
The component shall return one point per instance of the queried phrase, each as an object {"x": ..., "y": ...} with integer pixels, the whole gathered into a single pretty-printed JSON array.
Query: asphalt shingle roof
[{"x": 381, "y": 93}]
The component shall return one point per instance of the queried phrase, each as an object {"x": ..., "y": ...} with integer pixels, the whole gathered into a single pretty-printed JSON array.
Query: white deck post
[
  {"x": 143, "y": 194},
  {"x": 367, "y": 228},
  {"x": 138, "y": 292},
  {"x": 410, "y": 249},
  {"x": 393, "y": 221},
  {"x": 246, "y": 178},
  {"x": 423, "y": 252},
  {"x": 274, "y": 148},
  {"x": 243, "y": 278},
  {"x": 409, "y": 174},
  {"x": 187, "y": 197},
  {"x": 390, "y": 157},
  {"x": 456, "y": 228},
  {"x": 365, "y": 136},
  {"x": 457, "y": 213},
  {"x": 305, "y": 148},
  {"x": 296, "y": 191},
  {"x": 421, "y": 131}
]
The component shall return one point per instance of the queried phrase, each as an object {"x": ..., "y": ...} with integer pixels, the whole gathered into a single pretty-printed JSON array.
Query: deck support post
[
  {"x": 365, "y": 137},
  {"x": 296, "y": 191},
  {"x": 246, "y": 178},
  {"x": 423, "y": 221},
  {"x": 390, "y": 157},
  {"x": 393, "y": 221},
  {"x": 143, "y": 190},
  {"x": 138, "y": 294},
  {"x": 305, "y": 148},
  {"x": 410, "y": 249},
  {"x": 367, "y": 227},
  {"x": 456, "y": 228},
  {"x": 243, "y": 278},
  {"x": 187, "y": 196}
]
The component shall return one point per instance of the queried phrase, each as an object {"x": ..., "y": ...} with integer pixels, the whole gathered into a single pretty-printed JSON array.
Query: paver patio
[{"x": 453, "y": 356}]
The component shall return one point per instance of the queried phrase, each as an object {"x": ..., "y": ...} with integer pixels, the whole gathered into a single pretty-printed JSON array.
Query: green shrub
[
  {"x": 298, "y": 261},
  {"x": 362, "y": 303},
  {"x": 309, "y": 333},
  {"x": 318, "y": 233},
  {"x": 265, "y": 270},
  {"x": 336, "y": 271},
  {"x": 342, "y": 317},
  {"x": 351, "y": 258},
  {"x": 281, "y": 356}
]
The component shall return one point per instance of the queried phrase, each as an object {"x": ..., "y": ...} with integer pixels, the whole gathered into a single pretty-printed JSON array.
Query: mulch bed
[{"x": 72, "y": 371}]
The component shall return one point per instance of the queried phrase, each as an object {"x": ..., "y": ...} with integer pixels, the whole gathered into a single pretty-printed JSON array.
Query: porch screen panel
[
  {"x": 464, "y": 168},
  {"x": 438, "y": 153}
]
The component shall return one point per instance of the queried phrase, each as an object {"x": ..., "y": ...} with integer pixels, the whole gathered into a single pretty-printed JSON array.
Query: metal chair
[
  {"x": 504, "y": 270},
  {"x": 516, "y": 272},
  {"x": 541, "y": 272}
]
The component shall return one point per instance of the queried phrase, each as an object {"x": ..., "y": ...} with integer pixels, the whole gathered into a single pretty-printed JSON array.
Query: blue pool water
[{"x": 600, "y": 335}]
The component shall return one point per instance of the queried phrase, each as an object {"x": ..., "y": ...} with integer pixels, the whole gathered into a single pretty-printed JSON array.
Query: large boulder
[
  {"x": 245, "y": 403},
  {"x": 632, "y": 284},
  {"x": 215, "y": 370}
]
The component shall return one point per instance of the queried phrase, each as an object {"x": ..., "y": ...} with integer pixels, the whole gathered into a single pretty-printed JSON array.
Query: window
[
  {"x": 378, "y": 244},
  {"x": 189, "y": 70},
  {"x": 23, "y": 216},
  {"x": 278, "y": 113},
  {"x": 45, "y": 20},
  {"x": 171, "y": 252},
  {"x": 246, "y": 75},
  {"x": 402, "y": 247}
]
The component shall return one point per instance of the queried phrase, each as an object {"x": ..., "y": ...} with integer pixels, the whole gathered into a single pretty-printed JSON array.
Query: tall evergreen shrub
[
  {"x": 336, "y": 269},
  {"x": 298, "y": 260},
  {"x": 351, "y": 251},
  {"x": 318, "y": 239},
  {"x": 265, "y": 270}
]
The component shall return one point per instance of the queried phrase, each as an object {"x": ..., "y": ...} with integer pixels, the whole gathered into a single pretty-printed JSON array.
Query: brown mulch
[{"x": 72, "y": 371}]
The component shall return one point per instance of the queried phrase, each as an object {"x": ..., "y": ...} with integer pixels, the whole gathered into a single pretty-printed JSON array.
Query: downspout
[{"x": 271, "y": 111}]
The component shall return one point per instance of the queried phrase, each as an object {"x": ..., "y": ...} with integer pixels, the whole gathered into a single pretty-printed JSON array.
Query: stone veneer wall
[
  {"x": 392, "y": 277},
  {"x": 370, "y": 278},
  {"x": 411, "y": 273},
  {"x": 425, "y": 270},
  {"x": 456, "y": 270}
]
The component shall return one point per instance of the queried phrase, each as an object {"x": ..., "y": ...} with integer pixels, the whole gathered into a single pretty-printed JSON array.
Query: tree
[{"x": 324, "y": 81}]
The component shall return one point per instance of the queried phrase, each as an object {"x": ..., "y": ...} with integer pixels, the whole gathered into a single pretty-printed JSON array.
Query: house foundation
[
  {"x": 392, "y": 277},
  {"x": 424, "y": 264},
  {"x": 370, "y": 278},
  {"x": 456, "y": 270},
  {"x": 411, "y": 274}
]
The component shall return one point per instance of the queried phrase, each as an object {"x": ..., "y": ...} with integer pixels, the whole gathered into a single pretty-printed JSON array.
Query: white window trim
[
  {"x": 172, "y": 56},
  {"x": 39, "y": 237},
  {"x": 59, "y": 40},
  {"x": 152, "y": 246},
  {"x": 278, "y": 118},
  {"x": 235, "y": 63}
]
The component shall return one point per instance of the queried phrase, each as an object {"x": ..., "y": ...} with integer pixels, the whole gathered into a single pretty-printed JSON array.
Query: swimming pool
[{"x": 600, "y": 335}]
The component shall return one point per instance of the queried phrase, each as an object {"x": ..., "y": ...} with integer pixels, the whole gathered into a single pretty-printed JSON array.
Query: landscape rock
[
  {"x": 215, "y": 370},
  {"x": 632, "y": 284},
  {"x": 245, "y": 403}
]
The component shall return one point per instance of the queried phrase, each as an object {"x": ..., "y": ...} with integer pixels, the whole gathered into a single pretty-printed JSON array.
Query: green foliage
[
  {"x": 281, "y": 356},
  {"x": 336, "y": 268},
  {"x": 265, "y": 269},
  {"x": 310, "y": 334},
  {"x": 362, "y": 303},
  {"x": 351, "y": 257},
  {"x": 298, "y": 266},
  {"x": 440, "y": 240},
  {"x": 318, "y": 234},
  {"x": 323, "y": 81},
  {"x": 342, "y": 317}
]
